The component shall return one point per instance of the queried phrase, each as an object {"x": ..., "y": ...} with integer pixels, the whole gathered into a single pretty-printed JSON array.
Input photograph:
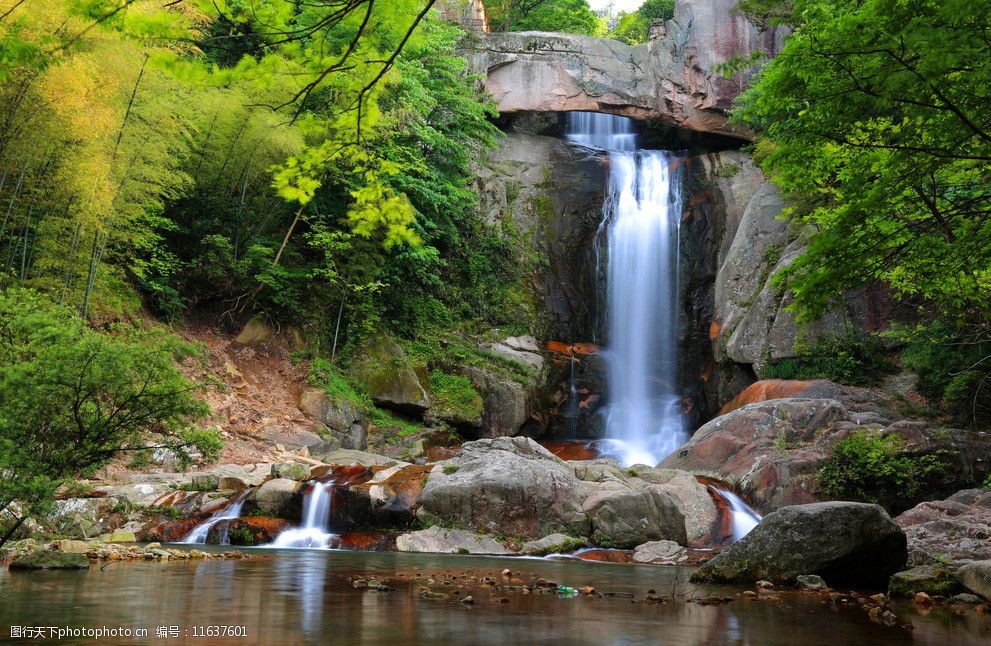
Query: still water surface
[{"x": 306, "y": 597}]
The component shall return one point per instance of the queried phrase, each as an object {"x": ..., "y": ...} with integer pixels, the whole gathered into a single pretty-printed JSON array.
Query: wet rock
[
  {"x": 810, "y": 582},
  {"x": 512, "y": 486},
  {"x": 387, "y": 498},
  {"x": 976, "y": 577},
  {"x": 956, "y": 530},
  {"x": 844, "y": 542},
  {"x": 280, "y": 497},
  {"x": 661, "y": 553},
  {"x": 693, "y": 499},
  {"x": 932, "y": 579},
  {"x": 629, "y": 518},
  {"x": 51, "y": 560},
  {"x": 963, "y": 597},
  {"x": 449, "y": 541},
  {"x": 553, "y": 544},
  {"x": 469, "y": 600},
  {"x": 388, "y": 376},
  {"x": 247, "y": 531}
]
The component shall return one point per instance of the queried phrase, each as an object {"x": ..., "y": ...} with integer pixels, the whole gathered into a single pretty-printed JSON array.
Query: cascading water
[
  {"x": 640, "y": 226},
  {"x": 230, "y": 512},
  {"x": 742, "y": 516},
  {"x": 316, "y": 513}
]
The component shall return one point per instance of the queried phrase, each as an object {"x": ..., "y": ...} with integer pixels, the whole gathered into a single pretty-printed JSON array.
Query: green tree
[
  {"x": 71, "y": 399},
  {"x": 569, "y": 16},
  {"x": 631, "y": 27},
  {"x": 873, "y": 119}
]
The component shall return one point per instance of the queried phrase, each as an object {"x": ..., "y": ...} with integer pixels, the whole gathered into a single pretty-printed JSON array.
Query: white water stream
[
  {"x": 316, "y": 514},
  {"x": 230, "y": 512},
  {"x": 641, "y": 217}
]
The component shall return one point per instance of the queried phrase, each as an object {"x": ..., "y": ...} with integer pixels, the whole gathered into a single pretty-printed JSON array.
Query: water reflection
[{"x": 307, "y": 597}]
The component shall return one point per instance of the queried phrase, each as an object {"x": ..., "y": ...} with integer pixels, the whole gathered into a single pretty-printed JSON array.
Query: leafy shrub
[
  {"x": 324, "y": 375},
  {"x": 455, "y": 394},
  {"x": 954, "y": 372},
  {"x": 847, "y": 359},
  {"x": 73, "y": 399},
  {"x": 871, "y": 466}
]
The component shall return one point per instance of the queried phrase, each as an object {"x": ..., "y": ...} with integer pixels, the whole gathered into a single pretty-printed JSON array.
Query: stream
[{"x": 307, "y": 597}]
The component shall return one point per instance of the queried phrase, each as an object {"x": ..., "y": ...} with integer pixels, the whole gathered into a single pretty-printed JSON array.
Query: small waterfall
[
  {"x": 316, "y": 514},
  {"x": 641, "y": 218},
  {"x": 743, "y": 517},
  {"x": 230, "y": 512}
]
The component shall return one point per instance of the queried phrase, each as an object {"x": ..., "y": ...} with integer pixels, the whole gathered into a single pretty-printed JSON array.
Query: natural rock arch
[{"x": 671, "y": 78}]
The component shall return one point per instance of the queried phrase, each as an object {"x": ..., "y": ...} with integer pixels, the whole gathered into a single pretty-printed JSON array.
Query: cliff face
[
  {"x": 733, "y": 319},
  {"x": 672, "y": 78}
]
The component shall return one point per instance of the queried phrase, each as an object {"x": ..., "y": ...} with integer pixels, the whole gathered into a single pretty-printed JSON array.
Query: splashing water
[
  {"x": 230, "y": 512},
  {"x": 316, "y": 512},
  {"x": 743, "y": 517},
  {"x": 640, "y": 225}
]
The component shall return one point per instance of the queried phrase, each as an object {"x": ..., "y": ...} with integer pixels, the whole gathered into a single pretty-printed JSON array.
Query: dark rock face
[
  {"x": 339, "y": 418},
  {"x": 247, "y": 531},
  {"x": 843, "y": 542}
]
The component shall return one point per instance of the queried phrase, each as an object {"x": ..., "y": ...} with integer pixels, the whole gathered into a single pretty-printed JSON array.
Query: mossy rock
[
  {"x": 387, "y": 375},
  {"x": 51, "y": 560},
  {"x": 931, "y": 579}
]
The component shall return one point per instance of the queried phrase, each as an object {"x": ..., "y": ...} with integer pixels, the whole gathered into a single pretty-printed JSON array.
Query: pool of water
[{"x": 308, "y": 597}]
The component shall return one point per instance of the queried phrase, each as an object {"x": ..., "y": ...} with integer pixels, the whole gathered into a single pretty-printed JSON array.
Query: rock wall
[{"x": 672, "y": 78}]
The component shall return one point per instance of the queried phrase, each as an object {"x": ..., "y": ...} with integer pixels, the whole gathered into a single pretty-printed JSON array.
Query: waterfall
[
  {"x": 230, "y": 512},
  {"x": 743, "y": 517},
  {"x": 641, "y": 217},
  {"x": 316, "y": 513}
]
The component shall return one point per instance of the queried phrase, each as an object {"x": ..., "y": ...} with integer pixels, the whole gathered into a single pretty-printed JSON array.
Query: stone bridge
[{"x": 671, "y": 78}]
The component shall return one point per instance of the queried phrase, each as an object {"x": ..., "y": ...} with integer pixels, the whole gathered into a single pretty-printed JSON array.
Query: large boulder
[
  {"x": 774, "y": 449},
  {"x": 389, "y": 377},
  {"x": 388, "y": 498},
  {"x": 626, "y": 518},
  {"x": 279, "y": 497},
  {"x": 510, "y": 486},
  {"x": 932, "y": 579},
  {"x": 843, "y": 542},
  {"x": 50, "y": 560},
  {"x": 448, "y": 541},
  {"x": 660, "y": 553},
  {"x": 976, "y": 577},
  {"x": 504, "y": 408},
  {"x": 954, "y": 531},
  {"x": 340, "y": 417}
]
